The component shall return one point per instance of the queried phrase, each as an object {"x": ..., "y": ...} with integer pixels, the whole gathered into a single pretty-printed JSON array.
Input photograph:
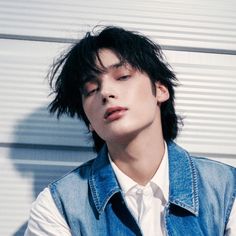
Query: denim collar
[
  {"x": 102, "y": 180},
  {"x": 183, "y": 181}
]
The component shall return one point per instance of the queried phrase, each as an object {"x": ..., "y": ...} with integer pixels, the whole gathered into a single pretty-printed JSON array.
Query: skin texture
[{"x": 133, "y": 133}]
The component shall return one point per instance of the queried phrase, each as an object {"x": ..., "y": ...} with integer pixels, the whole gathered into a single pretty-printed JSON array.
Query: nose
[
  {"x": 108, "y": 92},
  {"x": 105, "y": 99}
]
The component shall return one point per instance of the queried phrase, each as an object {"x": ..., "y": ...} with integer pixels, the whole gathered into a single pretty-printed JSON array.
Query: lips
[{"x": 114, "y": 112}]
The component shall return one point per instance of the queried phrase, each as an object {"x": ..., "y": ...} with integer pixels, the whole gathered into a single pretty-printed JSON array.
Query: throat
[{"x": 140, "y": 167}]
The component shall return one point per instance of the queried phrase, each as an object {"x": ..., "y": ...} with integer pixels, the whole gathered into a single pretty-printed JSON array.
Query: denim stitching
[
  {"x": 94, "y": 191},
  {"x": 110, "y": 194},
  {"x": 55, "y": 198},
  {"x": 230, "y": 205},
  {"x": 165, "y": 218},
  {"x": 195, "y": 186}
]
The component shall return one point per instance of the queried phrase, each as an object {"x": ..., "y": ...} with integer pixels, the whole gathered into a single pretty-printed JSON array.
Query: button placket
[{"x": 144, "y": 197}]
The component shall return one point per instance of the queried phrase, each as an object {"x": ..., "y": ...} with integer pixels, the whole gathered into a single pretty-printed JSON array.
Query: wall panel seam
[{"x": 70, "y": 40}]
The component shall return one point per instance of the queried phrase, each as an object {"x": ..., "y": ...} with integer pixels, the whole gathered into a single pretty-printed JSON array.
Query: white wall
[{"x": 198, "y": 38}]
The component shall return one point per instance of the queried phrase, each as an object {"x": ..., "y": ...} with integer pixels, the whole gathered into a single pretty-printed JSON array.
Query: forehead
[{"x": 108, "y": 60}]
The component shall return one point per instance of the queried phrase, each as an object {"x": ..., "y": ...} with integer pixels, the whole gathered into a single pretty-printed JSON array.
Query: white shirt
[
  {"x": 145, "y": 201},
  {"x": 46, "y": 220}
]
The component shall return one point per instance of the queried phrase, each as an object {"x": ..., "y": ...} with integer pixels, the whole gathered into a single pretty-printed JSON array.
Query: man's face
[{"x": 120, "y": 103}]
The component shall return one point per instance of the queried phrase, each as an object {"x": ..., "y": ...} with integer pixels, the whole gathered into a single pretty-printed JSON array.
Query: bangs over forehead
[
  {"x": 131, "y": 48},
  {"x": 94, "y": 68}
]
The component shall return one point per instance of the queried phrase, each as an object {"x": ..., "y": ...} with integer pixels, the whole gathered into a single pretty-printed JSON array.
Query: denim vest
[{"x": 201, "y": 196}]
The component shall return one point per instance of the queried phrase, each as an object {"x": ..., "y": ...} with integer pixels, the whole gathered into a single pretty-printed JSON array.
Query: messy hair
[{"x": 77, "y": 66}]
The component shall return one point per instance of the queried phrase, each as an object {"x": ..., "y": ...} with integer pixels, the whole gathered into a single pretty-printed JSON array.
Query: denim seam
[
  {"x": 194, "y": 192},
  {"x": 166, "y": 215},
  {"x": 82, "y": 166},
  {"x": 110, "y": 194},
  {"x": 230, "y": 207},
  {"x": 55, "y": 198},
  {"x": 195, "y": 186},
  {"x": 94, "y": 191},
  {"x": 98, "y": 204},
  {"x": 57, "y": 201}
]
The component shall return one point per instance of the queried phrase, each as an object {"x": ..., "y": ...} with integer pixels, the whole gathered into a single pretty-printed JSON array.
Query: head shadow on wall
[{"x": 44, "y": 149}]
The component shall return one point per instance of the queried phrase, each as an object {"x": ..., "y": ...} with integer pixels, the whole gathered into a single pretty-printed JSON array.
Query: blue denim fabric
[{"x": 201, "y": 196}]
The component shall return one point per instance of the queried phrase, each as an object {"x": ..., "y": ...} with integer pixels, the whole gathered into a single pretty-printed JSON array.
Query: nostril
[{"x": 104, "y": 100}]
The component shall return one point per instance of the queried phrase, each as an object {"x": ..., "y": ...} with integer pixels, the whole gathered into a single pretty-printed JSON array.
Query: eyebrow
[{"x": 115, "y": 66}]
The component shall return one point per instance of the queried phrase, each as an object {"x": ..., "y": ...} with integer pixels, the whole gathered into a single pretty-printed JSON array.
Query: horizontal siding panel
[
  {"x": 24, "y": 97},
  {"x": 206, "y": 99},
  {"x": 209, "y": 103},
  {"x": 178, "y": 23}
]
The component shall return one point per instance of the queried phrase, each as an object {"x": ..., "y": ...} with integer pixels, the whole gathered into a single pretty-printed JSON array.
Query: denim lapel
[
  {"x": 182, "y": 175},
  {"x": 183, "y": 179},
  {"x": 102, "y": 181}
]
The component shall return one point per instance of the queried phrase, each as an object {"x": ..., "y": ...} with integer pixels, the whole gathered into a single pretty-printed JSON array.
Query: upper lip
[{"x": 110, "y": 110}]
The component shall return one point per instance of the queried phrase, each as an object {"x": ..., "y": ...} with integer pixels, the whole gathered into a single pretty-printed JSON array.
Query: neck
[{"x": 139, "y": 158}]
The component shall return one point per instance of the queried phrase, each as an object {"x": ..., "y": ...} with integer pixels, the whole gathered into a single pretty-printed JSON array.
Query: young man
[{"x": 141, "y": 182}]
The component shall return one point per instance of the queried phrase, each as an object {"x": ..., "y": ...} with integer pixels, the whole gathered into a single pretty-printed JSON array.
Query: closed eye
[
  {"x": 124, "y": 77},
  {"x": 91, "y": 92},
  {"x": 90, "y": 88}
]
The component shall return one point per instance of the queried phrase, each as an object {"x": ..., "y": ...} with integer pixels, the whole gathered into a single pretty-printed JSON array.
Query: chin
[{"x": 121, "y": 136}]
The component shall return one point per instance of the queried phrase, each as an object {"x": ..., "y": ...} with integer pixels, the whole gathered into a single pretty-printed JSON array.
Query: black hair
[{"x": 71, "y": 71}]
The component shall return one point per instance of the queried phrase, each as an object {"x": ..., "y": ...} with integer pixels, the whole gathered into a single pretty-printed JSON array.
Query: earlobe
[{"x": 162, "y": 93}]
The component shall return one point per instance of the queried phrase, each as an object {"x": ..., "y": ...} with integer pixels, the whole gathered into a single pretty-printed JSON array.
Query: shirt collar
[
  {"x": 160, "y": 179},
  {"x": 183, "y": 189},
  {"x": 125, "y": 182}
]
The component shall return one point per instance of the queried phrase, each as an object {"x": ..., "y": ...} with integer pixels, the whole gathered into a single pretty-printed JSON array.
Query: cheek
[
  {"x": 145, "y": 104},
  {"x": 92, "y": 112},
  {"x": 143, "y": 94},
  {"x": 88, "y": 110}
]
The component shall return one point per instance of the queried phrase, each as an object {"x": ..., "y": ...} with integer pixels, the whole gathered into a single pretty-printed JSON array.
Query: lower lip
[{"x": 115, "y": 115}]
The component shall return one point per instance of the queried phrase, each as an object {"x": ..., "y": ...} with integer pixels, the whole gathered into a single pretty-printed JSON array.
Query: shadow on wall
[{"x": 46, "y": 149}]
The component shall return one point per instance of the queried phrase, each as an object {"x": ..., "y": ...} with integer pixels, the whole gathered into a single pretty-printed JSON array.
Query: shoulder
[
  {"x": 215, "y": 177},
  {"x": 77, "y": 175},
  {"x": 82, "y": 174},
  {"x": 44, "y": 199},
  {"x": 45, "y": 219},
  {"x": 216, "y": 184},
  {"x": 72, "y": 186},
  {"x": 74, "y": 183},
  {"x": 214, "y": 169},
  {"x": 182, "y": 162}
]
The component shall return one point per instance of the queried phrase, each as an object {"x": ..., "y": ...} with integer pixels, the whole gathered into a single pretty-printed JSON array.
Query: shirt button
[{"x": 139, "y": 191}]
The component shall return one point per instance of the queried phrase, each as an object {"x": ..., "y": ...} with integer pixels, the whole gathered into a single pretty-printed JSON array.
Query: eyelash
[
  {"x": 89, "y": 93},
  {"x": 124, "y": 77}
]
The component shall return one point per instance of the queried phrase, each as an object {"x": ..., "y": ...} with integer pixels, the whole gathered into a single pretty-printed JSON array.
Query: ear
[
  {"x": 91, "y": 129},
  {"x": 162, "y": 93}
]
